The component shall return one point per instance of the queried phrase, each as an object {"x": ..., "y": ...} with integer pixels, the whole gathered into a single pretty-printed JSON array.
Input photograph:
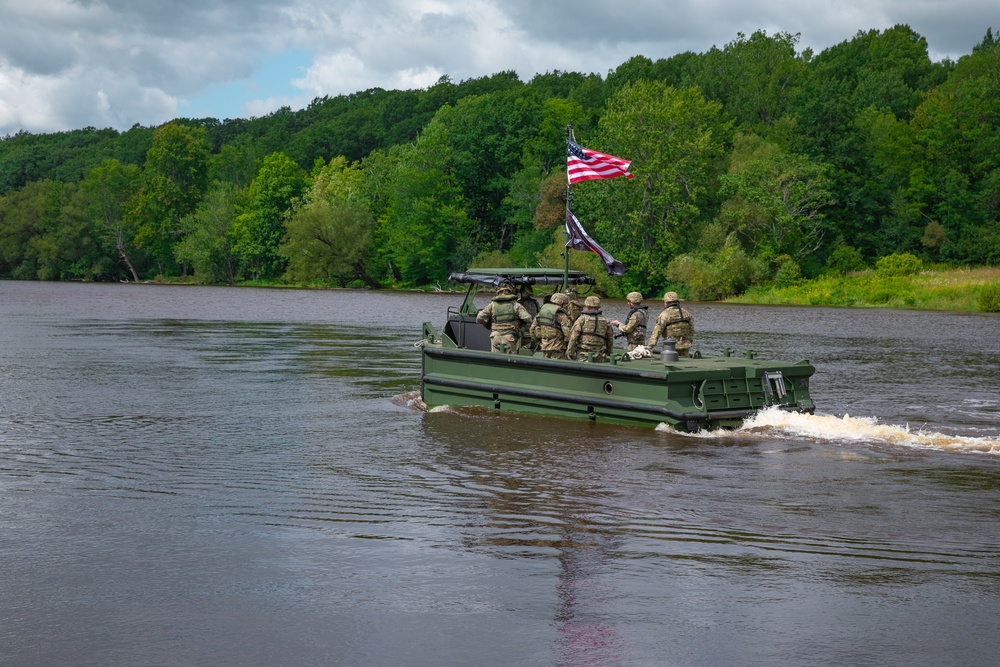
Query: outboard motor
[{"x": 669, "y": 351}]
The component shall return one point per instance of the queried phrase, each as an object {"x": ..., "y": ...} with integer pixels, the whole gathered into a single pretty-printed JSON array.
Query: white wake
[{"x": 863, "y": 429}]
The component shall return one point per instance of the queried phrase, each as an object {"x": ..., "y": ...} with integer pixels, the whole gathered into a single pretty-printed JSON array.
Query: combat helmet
[
  {"x": 592, "y": 302},
  {"x": 505, "y": 287},
  {"x": 634, "y": 297},
  {"x": 559, "y": 299},
  {"x": 670, "y": 297}
]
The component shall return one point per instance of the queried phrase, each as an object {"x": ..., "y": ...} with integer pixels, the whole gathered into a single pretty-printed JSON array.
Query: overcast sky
[{"x": 68, "y": 64}]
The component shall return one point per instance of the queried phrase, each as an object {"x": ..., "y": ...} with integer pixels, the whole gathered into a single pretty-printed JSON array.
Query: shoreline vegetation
[{"x": 963, "y": 289}]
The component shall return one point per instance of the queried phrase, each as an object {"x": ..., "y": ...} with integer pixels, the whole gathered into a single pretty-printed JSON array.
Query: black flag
[{"x": 579, "y": 240}]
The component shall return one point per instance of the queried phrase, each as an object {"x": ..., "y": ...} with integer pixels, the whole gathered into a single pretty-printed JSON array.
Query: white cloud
[
  {"x": 73, "y": 63},
  {"x": 78, "y": 98},
  {"x": 409, "y": 45},
  {"x": 264, "y": 106},
  {"x": 25, "y": 101},
  {"x": 411, "y": 78},
  {"x": 341, "y": 71}
]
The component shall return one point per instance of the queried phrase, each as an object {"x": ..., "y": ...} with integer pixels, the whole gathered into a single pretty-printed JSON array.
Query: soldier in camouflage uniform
[
  {"x": 572, "y": 307},
  {"x": 592, "y": 332},
  {"x": 674, "y": 322},
  {"x": 552, "y": 327},
  {"x": 634, "y": 328},
  {"x": 528, "y": 300},
  {"x": 506, "y": 319}
]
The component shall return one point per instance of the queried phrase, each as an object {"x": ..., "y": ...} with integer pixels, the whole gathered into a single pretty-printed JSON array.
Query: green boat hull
[{"x": 687, "y": 394}]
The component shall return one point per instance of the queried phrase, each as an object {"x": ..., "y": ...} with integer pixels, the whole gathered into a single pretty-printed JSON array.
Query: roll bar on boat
[{"x": 518, "y": 277}]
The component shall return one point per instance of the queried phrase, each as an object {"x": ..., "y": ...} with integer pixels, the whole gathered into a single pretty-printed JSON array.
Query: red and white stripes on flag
[{"x": 583, "y": 164}]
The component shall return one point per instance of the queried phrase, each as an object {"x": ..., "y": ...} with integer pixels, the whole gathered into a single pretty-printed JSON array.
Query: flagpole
[
  {"x": 569, "y": 198},
  {"x": 583, "y": 164}
]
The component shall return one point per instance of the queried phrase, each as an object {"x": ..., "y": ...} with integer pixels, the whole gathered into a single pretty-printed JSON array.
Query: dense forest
[{"x": 755, "y": 163}]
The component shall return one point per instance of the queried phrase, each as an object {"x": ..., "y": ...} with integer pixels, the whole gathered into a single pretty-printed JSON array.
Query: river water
[{"x": 232, "y": 476}]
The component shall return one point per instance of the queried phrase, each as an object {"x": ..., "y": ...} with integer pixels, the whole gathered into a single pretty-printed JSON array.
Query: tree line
[{"x": 754, "y": 163}]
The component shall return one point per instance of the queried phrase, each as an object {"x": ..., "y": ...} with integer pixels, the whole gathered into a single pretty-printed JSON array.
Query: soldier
[
  {"x": 572, "y": 307},
  {"x": 592, "y": 332},
  {"x": 675, "y": 322},
  {"x": 552, "y": 327},
  {"x": 527, "y": 300},
  {"x": 506, "y": 319},
  {"x": 634, "y": 328}
]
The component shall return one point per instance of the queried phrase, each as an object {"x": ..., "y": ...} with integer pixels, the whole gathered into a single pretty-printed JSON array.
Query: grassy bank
[{"x": 954, "y": 289}]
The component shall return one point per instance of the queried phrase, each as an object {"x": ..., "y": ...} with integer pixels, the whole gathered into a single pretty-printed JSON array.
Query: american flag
[{"x": 583, "y": 164}]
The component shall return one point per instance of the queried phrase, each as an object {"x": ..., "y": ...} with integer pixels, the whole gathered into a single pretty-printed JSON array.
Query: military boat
[{"x": 688, "y": 394}]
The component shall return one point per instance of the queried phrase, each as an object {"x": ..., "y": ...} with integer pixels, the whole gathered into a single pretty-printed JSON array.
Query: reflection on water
[
  {"x": 536, "y": 494},
  {"x": 637, "y": 518},
  {"x": 202, "y": 476}
]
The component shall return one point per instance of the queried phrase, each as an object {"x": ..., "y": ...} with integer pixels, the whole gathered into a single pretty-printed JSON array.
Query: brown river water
[{"x": 235, "y": 476}]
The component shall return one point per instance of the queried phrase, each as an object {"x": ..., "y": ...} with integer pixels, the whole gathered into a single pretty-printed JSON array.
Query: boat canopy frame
[
  {"x": 493, "y": 277},
  {"x": 518, "y": 277}
]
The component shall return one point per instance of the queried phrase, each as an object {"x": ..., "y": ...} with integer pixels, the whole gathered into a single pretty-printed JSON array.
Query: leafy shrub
[
  {"x": 728, "y": 272},
  {"x": 789, "y": 273},
  {"x": 713, "y": 239},
  {"x": 898, "y": 264},
  {"x": 844, "y": 260},
  {"x": 693, "y": 273},
  {"x": 934, "y": 235},
  {"x": 527, "y": 244},
  {"x": 989, "y": 298},
  {"x": 491, "y": 259}
]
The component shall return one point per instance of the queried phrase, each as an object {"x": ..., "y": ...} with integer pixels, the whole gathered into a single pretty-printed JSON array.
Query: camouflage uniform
[
  {"x": 674, "y": 322},
  {"x": 592, "y": 332},
  {"x": 634, "y": 326},
  {"x": 573, "y": 307},
  {"x": 528, "y": 301},
  {"x": 552, "y": 328},
  {"x": 506, "y": 319}
]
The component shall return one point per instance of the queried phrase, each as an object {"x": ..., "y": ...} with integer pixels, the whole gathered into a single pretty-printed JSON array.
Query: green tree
[
  {"x": 44, "y": 235},
  {"x": 329, "y": 242},
  {"x": 427, "y": 231},
  {"x": 487, "y": 136},
  {"x": 673, "y": 138},
  {"x": 898, "y": 264},
  {"x": 776, "y": 199},
  {"x": 875, "y": 75},
  {"x": 132, "y": 145},
  {"x": 108, "y": 191},
  {"x": 629, "y": 73},
  {"x": 259, "y": 228},
  {"x": 236, "y": 162},
  {"x": 845, "y": 259},
  {"x": 329, "y": 237},
  {"x": 376, "y": 190},
  {"x": 543, "y": 158},
  {"x": 756, "y": 79},
  {"x": 957, "y": 128},
  {"x": 174, "y": 178},
  {"x": 208, "y": 242},
  {"x": 546, "y": 150}
]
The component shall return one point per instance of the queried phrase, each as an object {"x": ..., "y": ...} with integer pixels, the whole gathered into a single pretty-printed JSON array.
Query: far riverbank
[
  {"x": 974, "y": 290},
  {"x": 964, "y": 289}
]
